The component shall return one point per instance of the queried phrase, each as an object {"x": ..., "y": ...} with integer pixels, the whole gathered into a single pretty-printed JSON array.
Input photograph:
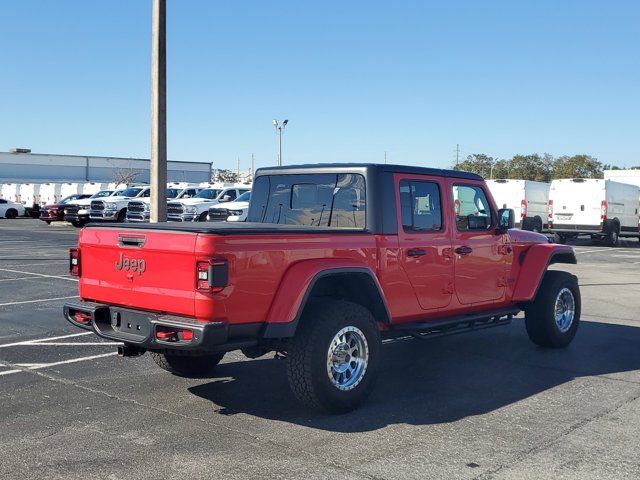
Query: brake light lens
[
  {"x": 212, "y": 275},
  {"x": 74, "y": 262},
  {"x": 603, "y": 210},
  {"x": 523, "y": 208},
  {"x": 550, "y": 210}
]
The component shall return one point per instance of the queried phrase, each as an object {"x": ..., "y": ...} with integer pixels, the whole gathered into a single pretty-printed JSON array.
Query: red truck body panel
[{"x": 271, "y": 273}]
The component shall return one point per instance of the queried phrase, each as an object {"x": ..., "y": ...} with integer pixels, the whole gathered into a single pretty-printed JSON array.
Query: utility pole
[
  {"x": 385, "y": 157},
  {"x": 457, "y": 153},
  {"x": 238, "y": 171},
  {"x": 252, "y": 170},
  {"x": 279, "y": 129},
  {"x": 158, "y": 172}
]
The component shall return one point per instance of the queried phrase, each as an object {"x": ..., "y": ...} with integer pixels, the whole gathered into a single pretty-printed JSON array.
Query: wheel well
[
  {"x": 357, "y": 287},
  {"x": 562, "y": 257}
]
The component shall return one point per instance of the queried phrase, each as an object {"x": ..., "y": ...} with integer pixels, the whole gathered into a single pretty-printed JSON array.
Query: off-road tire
[
  {"x": 307, "y": 355},
  {"x": 559, "y": 238},
  {"x": 122, "y": 216},
  {"x": 11, "y": 213},
  {"x": 187, "y": 366},
  {"x": 203, "y": 217},
  {"x": 540, "y": 321},
  {"x": 78, "y": 223}
]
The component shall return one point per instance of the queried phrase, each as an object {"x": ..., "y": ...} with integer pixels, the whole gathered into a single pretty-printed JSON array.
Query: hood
[
  {"x": 85, "y": 202},
  {"x": 525, "y": 237},
  {"x": 194, "y": 201},
  {"x": 112, "y": 199},
  {"x": 232, "y": 205}
]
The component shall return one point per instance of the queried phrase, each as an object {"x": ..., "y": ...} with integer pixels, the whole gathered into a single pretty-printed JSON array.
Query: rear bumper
[
  {"x": 568, "y": 228},
  {"x": 139, "y": 328}
]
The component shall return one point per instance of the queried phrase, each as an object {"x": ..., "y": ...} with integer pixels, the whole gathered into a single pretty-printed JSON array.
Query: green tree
[
  {"x": 226, "y": 176},
  {"x": 531, "y": 167},
  {"x": 477, "y": 163},
  {"x": 577, "y": 166}
]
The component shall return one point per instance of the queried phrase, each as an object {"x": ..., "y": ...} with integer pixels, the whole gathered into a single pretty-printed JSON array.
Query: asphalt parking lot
[{"x": 488, "y": 405}]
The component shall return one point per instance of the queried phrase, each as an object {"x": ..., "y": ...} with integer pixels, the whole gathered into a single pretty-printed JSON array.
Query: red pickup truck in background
[{"x": 332, "y": 259}]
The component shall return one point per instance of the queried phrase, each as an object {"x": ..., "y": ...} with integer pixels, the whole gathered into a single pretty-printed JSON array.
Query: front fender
[{"x": 534, "y": 265}]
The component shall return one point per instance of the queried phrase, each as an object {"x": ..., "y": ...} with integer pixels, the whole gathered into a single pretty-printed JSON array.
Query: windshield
[
  {"x": 130, "y": 192},
  {"x": 245, "y": 197},
  {"x": 102, "y": 193},
  {"x": 117, "y": 193},
  {"x": 70, "y": 198},
  {"x": 321, "y": 200},
  {"x": 208, "y": 193}
]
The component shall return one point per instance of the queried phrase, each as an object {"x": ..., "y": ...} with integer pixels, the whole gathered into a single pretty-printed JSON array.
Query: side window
[
  {"x": 147, "y": 193},
  {"x": 471, "y": 208},
  {"x": 2, "y": 201},
  {"x": 420, "y": 206}
]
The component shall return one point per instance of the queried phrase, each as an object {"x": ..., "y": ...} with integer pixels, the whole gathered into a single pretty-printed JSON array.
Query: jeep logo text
[{"x": 131, "y": 264}]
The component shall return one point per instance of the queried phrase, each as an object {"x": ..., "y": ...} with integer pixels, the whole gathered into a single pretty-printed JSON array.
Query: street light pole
[
  {"x": 158, "y": 170},
  {"x": 279, "y": 129}
]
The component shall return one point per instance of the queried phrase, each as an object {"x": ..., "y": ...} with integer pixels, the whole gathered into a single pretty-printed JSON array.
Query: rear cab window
[
  {"x": 420, "y": 206},
  {"x": 320, "y": 200}
]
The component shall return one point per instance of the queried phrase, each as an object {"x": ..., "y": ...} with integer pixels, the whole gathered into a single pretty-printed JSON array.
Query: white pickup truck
[
  {"x": 231, "y": 211},
  {"x": 114, "y": 209},
  {"x": 139, "y": 210},
  {"x": 77, "y": 211},
  {"x": 196, "y": 209}
]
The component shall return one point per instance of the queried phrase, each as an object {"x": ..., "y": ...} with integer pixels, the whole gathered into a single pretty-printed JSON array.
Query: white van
[
  {"x": 49, "y": 193},
  {"x": 30, "y": 198},
  {"x": 11, "y": 192},
  {"x": 67, "y": 189},
  {"x": 602, "y": 209},
  {"x": 528, "y": 199}
]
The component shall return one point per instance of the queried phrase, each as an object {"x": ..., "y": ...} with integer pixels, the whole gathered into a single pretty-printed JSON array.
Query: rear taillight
[
  {"x": 550, "y": 210},
  {"x": 523, "y": 208},
  {"x": 170, "y": 334},
  {"x": 74, "y": 262},
  {"x": 212, "y": 275},
  {"x": 603, "y": 210}
]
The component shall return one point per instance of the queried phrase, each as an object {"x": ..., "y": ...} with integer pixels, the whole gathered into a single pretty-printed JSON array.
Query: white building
[
  {"x": 624, "y": 176},
  {"x": 41, "y": 168}
]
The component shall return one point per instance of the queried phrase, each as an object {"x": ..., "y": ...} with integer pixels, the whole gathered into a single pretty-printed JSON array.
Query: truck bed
[{"x": 227, "y": 228}]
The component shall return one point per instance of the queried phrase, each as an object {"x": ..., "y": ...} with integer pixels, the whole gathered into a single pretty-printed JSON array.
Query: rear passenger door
[
  {"x": 425, "y": 239},
  {"x": 480, "y": 253}
]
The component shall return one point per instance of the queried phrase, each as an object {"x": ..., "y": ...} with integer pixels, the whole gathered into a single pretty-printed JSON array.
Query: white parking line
[
  {"x": 38, "y": 366},
  {"x": 39, "y": 274},
  {"x": 36, "y": 301},
  {"x": 70, "y": 344},
  {"x": 50, "y": 339}
]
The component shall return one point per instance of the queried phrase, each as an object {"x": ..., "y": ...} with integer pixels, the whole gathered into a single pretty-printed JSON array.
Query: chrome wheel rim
[
  {"x": 565, "y": 310},
  {"x": 347, "y": 358}
]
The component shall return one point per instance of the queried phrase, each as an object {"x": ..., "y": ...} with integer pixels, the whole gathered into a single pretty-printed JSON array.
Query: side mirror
[{"x": 506, "y": 219}]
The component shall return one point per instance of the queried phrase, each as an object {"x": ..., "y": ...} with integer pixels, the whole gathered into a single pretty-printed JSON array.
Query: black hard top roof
[{"x": 361, "y": 167}]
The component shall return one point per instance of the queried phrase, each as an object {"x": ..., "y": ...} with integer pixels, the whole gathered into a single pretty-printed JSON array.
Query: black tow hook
[{"x": 130, "y": 351}]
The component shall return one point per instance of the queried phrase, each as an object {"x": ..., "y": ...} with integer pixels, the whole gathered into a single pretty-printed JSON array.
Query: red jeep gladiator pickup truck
[{"x": 332, "y": 259}]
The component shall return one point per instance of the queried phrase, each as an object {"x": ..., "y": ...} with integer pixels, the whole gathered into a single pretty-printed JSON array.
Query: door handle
[
  {"x": 464, "y": 250},
  {"x": 416, "y": 252}
]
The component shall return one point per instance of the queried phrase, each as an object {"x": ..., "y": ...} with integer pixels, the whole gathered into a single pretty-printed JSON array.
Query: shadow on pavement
[{"x": 436, "y": 381}]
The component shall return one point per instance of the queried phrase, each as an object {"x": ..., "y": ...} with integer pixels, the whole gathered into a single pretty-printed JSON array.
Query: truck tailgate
[{"x": 150, "y": 270}]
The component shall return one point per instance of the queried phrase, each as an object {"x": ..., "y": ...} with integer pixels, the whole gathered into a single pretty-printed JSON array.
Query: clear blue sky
[{"x": 354, "y": 78}]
